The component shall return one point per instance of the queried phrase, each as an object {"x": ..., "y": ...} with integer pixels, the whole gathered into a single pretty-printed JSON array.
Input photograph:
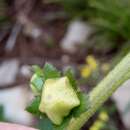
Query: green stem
[{"x": 102, "y": 92}]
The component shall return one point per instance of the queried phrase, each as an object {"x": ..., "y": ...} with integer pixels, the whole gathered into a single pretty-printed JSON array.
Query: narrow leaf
[
  {"x": 45, "y": 124},
  {"x": 64, "y": 123},
  {"x": 37, "y": 83},
  {"x": 71, "y": 78},
  {"x": 33, "y": 107},
  {"x": 37, "y": 70},
  {"x": 2, "y": 118},
  {"x": 84, "y": 99}
]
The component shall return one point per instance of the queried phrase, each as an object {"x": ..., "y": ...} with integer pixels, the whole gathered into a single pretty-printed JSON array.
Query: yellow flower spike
[
  {"x": 103, "y": 116},
  {"x": 86, "y": 71},
  {"x": 89, "y": 68},
  {"x": 93, "y": 128},
  {"x": 91, "y": 62},
  {"x": 99, "y": 124}
]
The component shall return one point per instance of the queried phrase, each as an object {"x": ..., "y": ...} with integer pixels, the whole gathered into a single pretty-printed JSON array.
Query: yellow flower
[
  {"x": 85, "y": 71},
  {"x": 93, "y": 128},
  {"x": 90, "y": 66},
  {"x": 97, "y": 125},
  {"x": 103, "y": 116},
  {"x": 91, "y": 62}
]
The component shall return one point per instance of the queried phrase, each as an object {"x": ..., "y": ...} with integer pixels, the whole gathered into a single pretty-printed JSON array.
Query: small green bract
[{"x": 36, "y": 84}]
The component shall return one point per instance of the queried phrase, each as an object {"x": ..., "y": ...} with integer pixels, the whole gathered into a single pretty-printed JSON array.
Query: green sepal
[
  {"x": 37, "y": 84},
  {"x": 33, "y": 107},
  {"x": 37, "y": 70},
  {"x": 69, "y": 73},
  {"x": 64, "y": 123},
  {"x": 84, "y": 99},
  {"x": 50, "y": 71},
  {"x": 44, "y": 123}
]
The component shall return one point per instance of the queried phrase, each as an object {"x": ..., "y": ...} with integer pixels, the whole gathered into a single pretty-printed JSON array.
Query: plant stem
[{"x": 102, "y": 92}]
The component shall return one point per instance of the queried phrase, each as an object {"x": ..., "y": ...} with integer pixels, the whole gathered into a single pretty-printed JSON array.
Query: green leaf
[
  {"x": 45, "y": 124},
  {"x": 64, "y": 123},
  {"x": 69, "y": 73},
  {"x": 1, "y": 113},
  {"x": 37, "y": 70},
  {"x": 33, "y": 107},
  {"x": 84, "y": 99},
  {"x": 50, "y": 71}
]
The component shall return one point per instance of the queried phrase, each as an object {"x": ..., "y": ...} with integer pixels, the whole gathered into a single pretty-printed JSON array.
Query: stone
[
  {"x": 14, "y": 100},
  {"x": 77, "y": 33},
  {"x": 25, "y": 70},
  {"x": 122, "y": 98},
  {"x": 8, "y": 72}
]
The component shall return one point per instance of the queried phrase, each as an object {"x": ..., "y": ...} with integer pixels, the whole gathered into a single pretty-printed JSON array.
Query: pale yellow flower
[
  {"x": 91, "y": 65},
  {"x": 86, "y": 71},
  {"x": 55, "y": 100},
  {"x": 93, "y": 128},
  {"x": 103, "y": 116},
  {"x": 98, "y": 124},
  {"x": 91, "y": 62}
]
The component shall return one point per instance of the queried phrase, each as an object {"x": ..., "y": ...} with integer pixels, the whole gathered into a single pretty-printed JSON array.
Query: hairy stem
[{"x": 102, "y": 92}]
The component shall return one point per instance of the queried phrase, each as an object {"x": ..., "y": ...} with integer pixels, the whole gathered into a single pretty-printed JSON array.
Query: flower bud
[
  {"x": 36, "y": 84},
  {"x": 58, "y": 99}
]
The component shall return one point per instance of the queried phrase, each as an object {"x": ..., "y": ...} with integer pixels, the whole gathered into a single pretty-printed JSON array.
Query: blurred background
[{"x": 91, "y": 36}]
